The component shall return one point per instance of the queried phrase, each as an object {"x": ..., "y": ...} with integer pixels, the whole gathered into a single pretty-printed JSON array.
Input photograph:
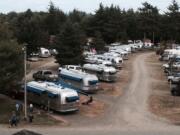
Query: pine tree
[
  {"x": 11, "y": 57},
  {"x": 98, "y": 42},
  {"x": 69, "y": 45}
]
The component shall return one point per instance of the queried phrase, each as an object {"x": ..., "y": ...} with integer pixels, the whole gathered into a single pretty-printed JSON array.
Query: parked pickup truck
[{"x": 45, "y": 75}]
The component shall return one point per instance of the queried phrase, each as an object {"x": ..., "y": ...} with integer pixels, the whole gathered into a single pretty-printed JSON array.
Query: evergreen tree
[
  {"x": 54, "y": 20},
  {"x": 11, "y": 64},
  {"x": 69, "y": 45},
  {"x": 98, "y": 42},
  {"x": 173, "y": 22},
  {"x": 148, "y": 20}
]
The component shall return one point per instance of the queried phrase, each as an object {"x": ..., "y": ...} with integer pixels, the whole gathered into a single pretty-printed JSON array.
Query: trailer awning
[
  {"x": 35, "y": 89},
  {"x": 70, "y": 77}
]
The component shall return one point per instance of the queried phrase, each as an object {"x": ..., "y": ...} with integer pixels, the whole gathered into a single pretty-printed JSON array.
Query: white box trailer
[{"x": 56, "y": 97}]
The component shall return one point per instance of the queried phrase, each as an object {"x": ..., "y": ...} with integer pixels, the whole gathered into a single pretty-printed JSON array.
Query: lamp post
[{"x": 25, "y": 81}]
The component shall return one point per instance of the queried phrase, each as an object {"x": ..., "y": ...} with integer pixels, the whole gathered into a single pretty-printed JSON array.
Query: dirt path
[
  {"x": 132, "y": 109},
  {"x": 134, "y": 104}
]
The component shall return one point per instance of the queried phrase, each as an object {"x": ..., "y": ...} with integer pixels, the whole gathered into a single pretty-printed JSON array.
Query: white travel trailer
[
  {"x": 80, "y": 80},
  {"x": 91, "y": 59},
  {"x": 116, "y": 61},
  {"x": 123, "y": 53},
  {"x": 44, "y": 53},
  {"x": 71, "y": 67},
  {"x": 112, "y": 54},
  {"x": 55, "y": 97},
  {"x": 104, "y": 73}
]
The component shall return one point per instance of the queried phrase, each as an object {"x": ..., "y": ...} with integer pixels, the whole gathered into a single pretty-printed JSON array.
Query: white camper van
[
  {"x": 80, "y": 80},
  {"x": 56, "y": 97},
  {"x": 103, "y": 72}
]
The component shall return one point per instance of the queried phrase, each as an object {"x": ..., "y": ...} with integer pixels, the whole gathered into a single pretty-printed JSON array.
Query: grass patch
[
  {"x": 44, "y": 119},
  {"x": 7, "y": 106}
]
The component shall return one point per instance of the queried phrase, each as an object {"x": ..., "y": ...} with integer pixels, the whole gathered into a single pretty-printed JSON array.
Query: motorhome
[
  {"x": 80, "y": 80},
  {"x": 44, "y": 53},
  {"x": 104, "y": 73},
  {"x": 55, "y": 97}
]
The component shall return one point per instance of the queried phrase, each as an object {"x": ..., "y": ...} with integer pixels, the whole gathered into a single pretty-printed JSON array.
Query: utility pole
[
  {"x": 25, "y": 81},
  {"x": 153, "y": 37}
]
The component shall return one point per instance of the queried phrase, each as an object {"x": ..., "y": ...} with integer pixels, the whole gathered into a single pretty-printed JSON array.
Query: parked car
[
  {"x": 45, "y": 75},
  {"x": 174, "y": 78}
]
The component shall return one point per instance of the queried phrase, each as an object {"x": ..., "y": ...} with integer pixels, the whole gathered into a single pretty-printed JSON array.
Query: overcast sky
[{"x": 83, "y": 5}]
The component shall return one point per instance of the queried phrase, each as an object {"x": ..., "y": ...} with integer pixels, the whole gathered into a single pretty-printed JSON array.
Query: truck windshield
[
  {"x": 48, "y": 73},
  {"x": 72, "y": 99}
]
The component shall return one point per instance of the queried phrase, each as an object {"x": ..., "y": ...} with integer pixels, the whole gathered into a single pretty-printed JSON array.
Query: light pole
[{"x": 25, "y": 89}]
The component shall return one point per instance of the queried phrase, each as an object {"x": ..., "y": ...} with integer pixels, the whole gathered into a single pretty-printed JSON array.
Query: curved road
[{"x": 128, "y": 115}]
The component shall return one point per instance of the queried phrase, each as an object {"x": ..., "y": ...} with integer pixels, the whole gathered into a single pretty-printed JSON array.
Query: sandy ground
[
  {"x": 162, "y": 103},
  {"x": 44, "y": 63}
]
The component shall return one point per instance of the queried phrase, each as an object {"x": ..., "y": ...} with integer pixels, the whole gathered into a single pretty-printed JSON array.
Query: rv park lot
[{"x": 139, "y": 101}]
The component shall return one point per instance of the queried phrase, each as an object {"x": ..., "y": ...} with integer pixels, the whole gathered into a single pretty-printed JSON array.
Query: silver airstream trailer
[
  {"x": 79, "y": 80},
  {"x": 103, "y": 72},
  {"x": 56, "y": 97}
]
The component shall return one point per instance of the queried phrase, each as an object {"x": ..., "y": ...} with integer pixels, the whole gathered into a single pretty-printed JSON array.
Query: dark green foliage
[
  {"x": 173, "y": 22},
  {"x": 54, "y": 20},
  {"x": 29, "y": 29},
  {"x": 148, "y": 20},
  {"x": 11, "y": 63},
  {"x": 98, "y": 42},
  {"x": 69, "y": 45}
]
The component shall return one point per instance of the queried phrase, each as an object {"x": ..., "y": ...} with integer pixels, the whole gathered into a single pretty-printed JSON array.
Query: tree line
[{"x": 68, "y": 32}]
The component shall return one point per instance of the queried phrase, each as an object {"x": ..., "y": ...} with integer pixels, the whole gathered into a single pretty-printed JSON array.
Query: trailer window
[{"x": 72, "y": 99}]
